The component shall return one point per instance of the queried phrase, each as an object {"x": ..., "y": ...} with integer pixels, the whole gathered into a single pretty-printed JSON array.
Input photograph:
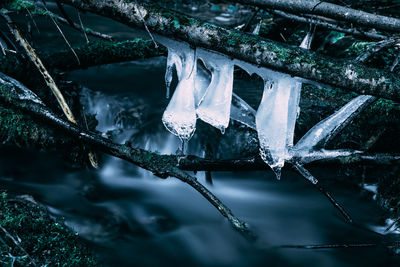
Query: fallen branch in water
[
  {"x": 14, "y": 94},
  {"x": 194, "y": 163},
  {"x": 331, "y": 246}
]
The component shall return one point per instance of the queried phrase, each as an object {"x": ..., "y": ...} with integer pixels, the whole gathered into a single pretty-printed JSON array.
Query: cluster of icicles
[{"x": 199, "y": 96}]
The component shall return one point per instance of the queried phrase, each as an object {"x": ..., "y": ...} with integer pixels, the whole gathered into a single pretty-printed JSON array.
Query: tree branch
[
  {"x": 292, "y": 60},
  {"x": 14, "y": 94},
  {"x": 330, "y": 10}
]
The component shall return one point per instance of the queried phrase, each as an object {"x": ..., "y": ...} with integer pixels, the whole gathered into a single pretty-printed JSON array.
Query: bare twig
[
  {"x": 82, "y": 27},
  {"x": 37, "y": 11},
  {"x": 61, "y": 32},
  {"x": 331, "y": 246},
  {"x": 329, "y": 10},
  {"x": 246, "y": 27},
  {"x": 375, "y": 48},
  {"x": 18, "y": 245},
  {"x": 331, "y": 26},
  {"x": 392, "y": 225},
  {"x": 46, "y": 75},
  {"x": 309, "y": 177}
]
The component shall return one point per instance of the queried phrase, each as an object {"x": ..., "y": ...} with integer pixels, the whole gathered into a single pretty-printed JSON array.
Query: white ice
[
  {"x": 242, "y": 112},
  {"x": 201, "y": 82},
  {"x": 276, "y": 116},
  {"x": 180, "y": 115},
  {"x": 322, "y": 131},
  {"x": 215, "y": 106},
  {"x": 210, "y": 96},
  {"x": 276, "y": 119}
]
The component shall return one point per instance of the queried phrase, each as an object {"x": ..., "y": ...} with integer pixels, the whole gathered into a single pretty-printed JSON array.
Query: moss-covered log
[
  {"x": 92, "y": 54},
  {"x": 330, "y": 10},
  {"x": 99, "y": 53},
  {"x": 292, "y": 60}
]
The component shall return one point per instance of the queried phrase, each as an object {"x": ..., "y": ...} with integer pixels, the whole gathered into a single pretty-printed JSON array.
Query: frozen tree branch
[{"x": 250, "y": 48}]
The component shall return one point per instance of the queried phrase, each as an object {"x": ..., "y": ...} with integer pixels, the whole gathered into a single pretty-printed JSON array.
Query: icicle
[
  {"x": 306, "y": 43},
  {"x": 256, "y": 31},
  {"x": 276, "y": 118},
  {"x": 242, "y": 112},
  {"x": 327, "y": 127},
  {"x": 216, "y": 104},
  {"x": 180, "y": 115},
  {"x": 202, "y": 81},
  {"x": 173, "y": 60}
]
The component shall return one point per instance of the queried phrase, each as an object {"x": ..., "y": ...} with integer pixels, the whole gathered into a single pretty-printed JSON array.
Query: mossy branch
[
  {"x": 281, "y": 57},
  {"x": 16, "y": 95}
]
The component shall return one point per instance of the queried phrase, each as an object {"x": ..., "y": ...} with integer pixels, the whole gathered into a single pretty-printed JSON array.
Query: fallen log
[
  {"x": 93, "y": 54},
  {"x": 277, "y": 56},
  {"x": 329, "y": 10}
]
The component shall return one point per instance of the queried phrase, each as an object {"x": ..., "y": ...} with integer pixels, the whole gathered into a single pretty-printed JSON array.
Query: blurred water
[{"x": 131, "y": 217}]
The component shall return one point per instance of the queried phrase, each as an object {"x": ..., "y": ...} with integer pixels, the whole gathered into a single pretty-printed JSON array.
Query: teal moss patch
[
  {"x": 20, "y": 130},
  {"x": 47, "y": 241}
]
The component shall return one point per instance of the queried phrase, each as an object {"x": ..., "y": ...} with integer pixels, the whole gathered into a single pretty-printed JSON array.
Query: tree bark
[
  {"x": 284, "y": 58},
  {"x": 329, "y": 10},
  {"x": 93, "y": 54}
]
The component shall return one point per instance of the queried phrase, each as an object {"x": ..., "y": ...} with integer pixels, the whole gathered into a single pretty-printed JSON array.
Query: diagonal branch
[
  {"x": 46, "y": 75},
  {"x": 14, "y": 94}
]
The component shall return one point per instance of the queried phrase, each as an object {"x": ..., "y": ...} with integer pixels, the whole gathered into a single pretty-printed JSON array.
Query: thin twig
[
  {"x": 246, "y": 27},
  {"x": 395, "y": 62},
  {"x": 330, "y": 246},
  {"x": 309, "y": 177},
  {"x": 17, "y": 244},
  {"x": 62, "y": 33},
  {"x": 331, "y": 26},
  {"x": 46, "y": 75},
  {"x": 83, "y": 28},
  {"x": 375, "y": 48},
  {"x": 141, "y": 16},
  {"x": 392, "y": 225}
]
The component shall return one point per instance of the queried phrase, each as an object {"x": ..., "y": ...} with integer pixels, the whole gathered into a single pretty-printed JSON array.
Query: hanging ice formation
[
  {"x": 276, "y": 116},
  {"x": 325, "y": 129},
  {"x": 180, "y": 116},
  {"x": 214, "y": 108},
  {"x": 205, "y": 91}
]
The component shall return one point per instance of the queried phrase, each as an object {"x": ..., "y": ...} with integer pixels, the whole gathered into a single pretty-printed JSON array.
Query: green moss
[
  {"x": 45, "y": 240},
  {"x": 20, "y": 5},
  {"x": 19, "y": 129}
]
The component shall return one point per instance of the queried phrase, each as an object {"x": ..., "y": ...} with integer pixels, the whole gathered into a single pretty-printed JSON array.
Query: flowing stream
[{"x": 131, "y": 218}]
